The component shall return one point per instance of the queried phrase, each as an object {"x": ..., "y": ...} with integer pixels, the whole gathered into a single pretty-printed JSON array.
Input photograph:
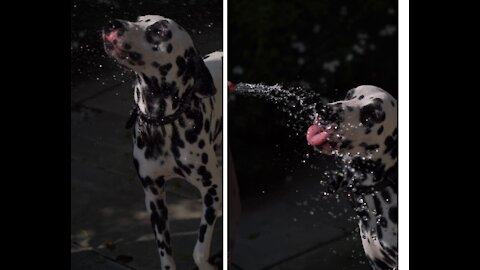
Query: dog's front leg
[
  {"x": 211, "y": 191},
  {"x": 157, "y": 208}
]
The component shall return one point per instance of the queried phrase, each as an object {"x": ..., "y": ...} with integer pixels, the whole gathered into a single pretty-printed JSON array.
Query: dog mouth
[{"x": 320, "y": 136}]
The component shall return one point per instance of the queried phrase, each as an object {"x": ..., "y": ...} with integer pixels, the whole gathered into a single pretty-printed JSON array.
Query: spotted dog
[
  {"x": 177, "y": 121},
  {"x": 362, "y": 129}
]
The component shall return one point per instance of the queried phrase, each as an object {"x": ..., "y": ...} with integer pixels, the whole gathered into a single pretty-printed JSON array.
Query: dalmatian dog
[
  {"x": 177, "y": 121},
  {"x": 362, "y": 130}
]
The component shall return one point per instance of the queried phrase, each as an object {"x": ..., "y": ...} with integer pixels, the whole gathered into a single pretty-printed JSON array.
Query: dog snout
[{"x": 115, "y": 25}]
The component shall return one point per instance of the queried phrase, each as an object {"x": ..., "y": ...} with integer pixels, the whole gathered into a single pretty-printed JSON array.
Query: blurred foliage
[{"x": 328, "y": 47}]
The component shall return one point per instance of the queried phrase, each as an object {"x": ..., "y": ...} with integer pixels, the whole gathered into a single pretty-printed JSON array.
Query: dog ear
[{"x": 203, "y": 86}]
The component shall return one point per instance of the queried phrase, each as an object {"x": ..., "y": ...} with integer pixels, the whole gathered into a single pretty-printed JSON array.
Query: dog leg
[
  {"x": 212, "y": 203},
  {"x": 157, "y": 208}
]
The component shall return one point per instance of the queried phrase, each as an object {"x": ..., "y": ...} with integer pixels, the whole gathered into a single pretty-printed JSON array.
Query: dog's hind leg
[
  {"x": 210, "y": 188},
  {"x": 157, "y": 208}
]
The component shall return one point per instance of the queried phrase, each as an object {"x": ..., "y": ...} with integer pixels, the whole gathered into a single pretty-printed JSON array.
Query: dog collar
[{"x": 136, "y": 114}]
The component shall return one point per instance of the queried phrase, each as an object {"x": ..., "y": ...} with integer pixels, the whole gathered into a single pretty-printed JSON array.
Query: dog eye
[{"x": 158, "y": 32}]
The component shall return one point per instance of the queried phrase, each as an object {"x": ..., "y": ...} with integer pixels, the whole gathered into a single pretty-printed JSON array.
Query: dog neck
[
  {"x": 357, "y": 176},
  {"x": 159, "y": 96}
]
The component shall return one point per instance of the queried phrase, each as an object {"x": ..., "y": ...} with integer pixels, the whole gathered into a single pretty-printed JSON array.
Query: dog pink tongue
[{"x": 316, "y": 135}]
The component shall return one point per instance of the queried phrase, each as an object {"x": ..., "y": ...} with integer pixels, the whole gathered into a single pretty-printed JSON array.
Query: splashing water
[
  {"x": 298, "y": 103},
  {"x": 301, "y": 106}
]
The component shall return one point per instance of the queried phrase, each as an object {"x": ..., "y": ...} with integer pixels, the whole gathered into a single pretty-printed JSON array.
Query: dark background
[{"x": 296, "y": 43}]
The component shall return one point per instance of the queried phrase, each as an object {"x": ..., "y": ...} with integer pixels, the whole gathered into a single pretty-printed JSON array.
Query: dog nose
[{"x": 114, "y": 25}]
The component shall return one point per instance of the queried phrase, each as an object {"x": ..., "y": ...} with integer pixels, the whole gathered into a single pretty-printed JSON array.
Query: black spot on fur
[
  {"x": 158, "y": 217},
  {"x": 361, "y": 97},
  {"x": 146, "y": 181},
  {"x": 378, "y": 205},
  {"x": 371, "y": 114},
  {"x": 176, "y": 142},
  {"x": 201, "y": 233},
  {"x": 160, "y": 181},
  {"x": 181, "y": 121},
  {"x": 208, "y": 200},
  {"x": 153, "y": 141},
  {"x": 369, "y": 166},
  {"x": 178, "y": 171},
  {"x": 210, "y": 215},
  {"x": 191, "y": 135},
  {"x": 218, "y": 129},
  {"x": 383, "y": 222},
  {"x": 381, "y": 265},
  {"x": 378, "y": 100},
  {"x": 182, "y": 166},
  {"x": 380, "y": 130},
  {"x": 154, "y": 190},
  {"x": 190, "y": 66},
  {"x": 164, "y": 69},
  {"x": 169, "y": 48},
  {"x": 393, "y": 214},
  {"x": 369, "y": 147},
  {"x": 136, "y": 165},
  {"x": 386, "y": 257},
  {"x": 364, "y": 216},
  {"x": 134, "y": 56},
  {"x": 212, "y": 190},
  {"x": 206, "y": 176},
  {"x": 201, "y": 144},
  {"x": 346, "y": 144},
  {"x": 379, "y": 232},
  {"x": 140, "y": 142},
  {"x": 204, "y": 158},
  {"x": 137, "y": 91},
  {"x": 391, "y": 146},
  {"x": 167, "y": 237},
  {"x": 386, "y": 196},
  {"x": 207, "y": 125},
  {"x": 392, "y": 174}
]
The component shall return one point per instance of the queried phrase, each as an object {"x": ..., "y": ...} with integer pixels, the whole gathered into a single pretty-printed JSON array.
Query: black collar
[{"x": 160, "y": 120}]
